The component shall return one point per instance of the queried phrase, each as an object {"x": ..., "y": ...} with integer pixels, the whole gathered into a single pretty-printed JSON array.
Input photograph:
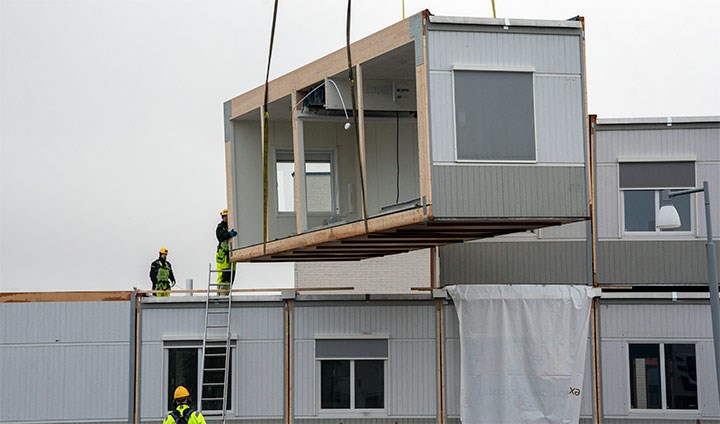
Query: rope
[
  {"x": 266, "y": 143},
  {"x": 356, "y": 132}
]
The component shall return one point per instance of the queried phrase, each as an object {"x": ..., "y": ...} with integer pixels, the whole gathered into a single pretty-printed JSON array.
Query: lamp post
[{"x": 668, "y": 218}]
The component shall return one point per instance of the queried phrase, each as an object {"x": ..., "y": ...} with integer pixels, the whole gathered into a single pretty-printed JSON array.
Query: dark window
[
  {"x": 641, "y": 208},
  {"x": 352, "y": 373},
  {"x": 677, "y": 368},
  {"x": 214, "y": 375},
  {"x": 335, "y": 384},
  {"x": 318, "y": 181},
  {"x": 680, "y": 376},
  {"x": 182, "y": 371},
  {"x": 494, "y": 115}
]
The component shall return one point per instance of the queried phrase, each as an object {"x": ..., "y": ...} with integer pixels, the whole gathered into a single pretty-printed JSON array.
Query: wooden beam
[
  {"x": 71, "y": 296},
  {"x": 363, "y": 50}
]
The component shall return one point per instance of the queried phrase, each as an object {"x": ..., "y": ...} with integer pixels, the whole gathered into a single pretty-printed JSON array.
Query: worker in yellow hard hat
[
  {"x": 222, "y": 255},
  {"x": 161, "y": 273},
  {"x": 183, "y": 413}
]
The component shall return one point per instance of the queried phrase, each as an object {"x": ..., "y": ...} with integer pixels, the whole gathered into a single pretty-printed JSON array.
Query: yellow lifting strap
[{"x": 266, "y": 117}]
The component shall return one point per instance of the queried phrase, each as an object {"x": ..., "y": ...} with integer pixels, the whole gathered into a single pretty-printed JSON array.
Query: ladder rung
[
  {"x": 214, "y": 354},
  {"x": 214, "y": 369},
  {"x": 206, "y": 399},
  {"x": 217, "y": 326},
  {"x": 213, "y": 384},
  {"x": 218, "y": 312}
]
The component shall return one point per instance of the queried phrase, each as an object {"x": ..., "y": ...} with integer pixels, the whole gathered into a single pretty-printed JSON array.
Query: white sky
[{"x": 111, "y": 131}]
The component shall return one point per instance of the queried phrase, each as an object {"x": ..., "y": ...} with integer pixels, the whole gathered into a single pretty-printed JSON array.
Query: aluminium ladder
[{"x": 216, "y": 349}]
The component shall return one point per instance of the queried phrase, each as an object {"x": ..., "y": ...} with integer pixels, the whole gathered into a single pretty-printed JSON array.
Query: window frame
[
  {"x": 664, "y": 410},
  {"x": 658, "y": 193},
  {"x": 169, "y": 344},
  {"x": 352, "y": 411},
  {"x": 505, "y": 69},
  {"x": 654, "y": 235},
  {"x": 279, "y": 152}
]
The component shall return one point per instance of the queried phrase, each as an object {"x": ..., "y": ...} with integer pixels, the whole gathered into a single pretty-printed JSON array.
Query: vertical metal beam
[
  {"x": 288, "y": 361},
  {"x": 132, "y": 342},
  {"x": 712, "y": 281}
]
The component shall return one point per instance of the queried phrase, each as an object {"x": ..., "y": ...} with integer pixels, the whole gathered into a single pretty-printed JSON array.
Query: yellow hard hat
[
  {"x": 223, "y": 212},
  {"x": 163, "y": 250},
  {"x": 181, "y": 392}
]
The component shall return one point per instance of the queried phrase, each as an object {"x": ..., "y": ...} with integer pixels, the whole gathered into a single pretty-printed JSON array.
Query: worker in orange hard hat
[
  {"x": 183, "y": 413},
  {"x": 222, "y": 255},
  {"x": 161, "y": 273}
]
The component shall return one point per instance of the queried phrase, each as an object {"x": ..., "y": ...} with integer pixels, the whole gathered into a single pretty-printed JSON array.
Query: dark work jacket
[
  {"x": 156, "y": 265},
  {"x": 222, "y": 233}
]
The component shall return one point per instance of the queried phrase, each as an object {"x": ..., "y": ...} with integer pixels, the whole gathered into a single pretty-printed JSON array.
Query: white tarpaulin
[{"x": 522, "y": 352}]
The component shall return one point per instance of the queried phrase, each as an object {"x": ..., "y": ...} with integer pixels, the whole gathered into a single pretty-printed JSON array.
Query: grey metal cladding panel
[
  {"x": 365, "y": 421},
  {"x": 396, "y": 321},
  {"x": 64, "y": 382},
  {"x": 304, "y": 378},
  {"x": 152, "y": 384},
  {"x": 707, "y": 387},
  {"x": 247, "y": 178},
  {"x": 247, "y": 322},
  {"x": 655, "y": 321},
  {"x": 667, "y": 143},
  {"x": 452, "y": 325},
  {"x": 559, "y": 119},
  {"x": 412, "y": 385},
  {"x": 452, "y": 377},
  {"x": 562, "y": 262},
  {"x": 575, "y": 230},
  {"x": 557, "y": 54},
  {"x": 261, "y": 376},
  {"x": 614, "y": 365},
  {"x": 652, "y": 262},
  {"x": 508, "y": 191},
  {"x": 606, "y": 201},
  {"x": 50, "y": 322},
  {"x": 442, "y": 118},
  {"x": 586, "y": 402},
  {"x": 416, "y": 32}
]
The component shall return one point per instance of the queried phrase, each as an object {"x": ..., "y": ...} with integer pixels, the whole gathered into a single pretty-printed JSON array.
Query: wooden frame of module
[{"x": 405, "y": 226}]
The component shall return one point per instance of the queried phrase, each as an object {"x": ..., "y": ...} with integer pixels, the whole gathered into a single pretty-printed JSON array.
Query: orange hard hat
[{"x": 181, "y": 392}]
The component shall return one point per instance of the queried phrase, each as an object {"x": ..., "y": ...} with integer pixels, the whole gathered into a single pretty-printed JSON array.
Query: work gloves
[{"x": 232, "y": 233}]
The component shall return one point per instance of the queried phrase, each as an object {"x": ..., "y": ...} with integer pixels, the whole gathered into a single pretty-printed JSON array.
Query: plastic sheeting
[{"x": 522, "y": 352}]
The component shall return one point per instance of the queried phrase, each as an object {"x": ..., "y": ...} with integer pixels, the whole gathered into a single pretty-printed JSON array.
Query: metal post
[
  {"x": 131, "y": 343},
  {"x": 189, "y": 285},
  {"x": 713, "y": 281},
  {"x": 712, "y": 275}
]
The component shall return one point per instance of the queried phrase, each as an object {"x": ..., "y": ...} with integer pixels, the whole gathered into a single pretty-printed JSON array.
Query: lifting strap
[{"x": 266, "y": 118}]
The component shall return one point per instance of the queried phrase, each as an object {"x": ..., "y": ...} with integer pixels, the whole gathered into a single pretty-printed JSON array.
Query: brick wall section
[{"x": 389, "y": 274}]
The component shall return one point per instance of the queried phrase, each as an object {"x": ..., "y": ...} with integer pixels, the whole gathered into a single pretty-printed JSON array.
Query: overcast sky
[{"x": 111, "y": 131}]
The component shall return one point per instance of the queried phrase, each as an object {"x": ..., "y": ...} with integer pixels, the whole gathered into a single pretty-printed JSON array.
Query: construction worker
[
  {"x": 183, "y": 413},
  {"x": 222, "y": 256},
  {"x": 161, "y": 273}
]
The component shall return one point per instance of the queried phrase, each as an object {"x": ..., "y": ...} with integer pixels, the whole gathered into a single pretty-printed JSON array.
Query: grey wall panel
[
  {"x": 452, "y": 377},
  {"x": 442, "y": 127},
  {"x": 304, "y": 386},
  {"x": 44, "y": 383},
  {"x": 557, "y": 54},
  {"x": 246, "y": 173},
  {"x": 562, "y": 262},
  {"x": 652, "y": 262},
  {"x": 655, "y": 321},
  {"x": 64, "y": 322},
  {"x": 575, "y": 230},
  {"x": 249, "y": 322},
  {"x": 614, "y": 362},
  {"x": 660, "y": 143},
  {"x": 559, "y": 119},
  {"x": 152, "y": 380},
  {"x": 508, "y": 191},
  {"x": 452, "y": 325},
  {"x": 366, "y": 421},
  {"x": 407, "y": 321},
  {"x": 607, "y": 201},
  {"x": 707, "y": 384},
  {"x": 412, "y": 378},
  {"x": 586, "y": 402},
  {"x": 261, "y": 379}
]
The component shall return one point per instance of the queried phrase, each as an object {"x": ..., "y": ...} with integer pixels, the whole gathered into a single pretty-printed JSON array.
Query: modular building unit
[{"x": 465, "y": 128}]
